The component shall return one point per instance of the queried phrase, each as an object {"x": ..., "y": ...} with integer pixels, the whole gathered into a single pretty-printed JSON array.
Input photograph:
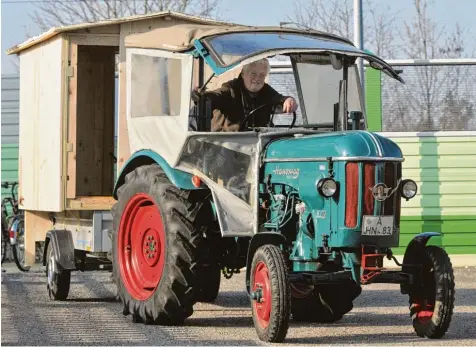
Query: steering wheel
[{"x": 273, "y": 108}]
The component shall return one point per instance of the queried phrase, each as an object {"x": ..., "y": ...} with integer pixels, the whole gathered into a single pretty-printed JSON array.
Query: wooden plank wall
[{"x": 41, "y": 127}]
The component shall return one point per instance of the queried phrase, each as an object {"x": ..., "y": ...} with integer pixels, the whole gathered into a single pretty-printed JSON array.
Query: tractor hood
[{"x": 337, "y": 144}]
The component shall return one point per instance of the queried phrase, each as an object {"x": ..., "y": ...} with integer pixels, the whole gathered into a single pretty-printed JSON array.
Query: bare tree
[
  {"x": 431, "y": 91},
  {"x": 336, "y": 17},
  {"x": 54, "y": 13},
  {"x": 423, "y": 103}
]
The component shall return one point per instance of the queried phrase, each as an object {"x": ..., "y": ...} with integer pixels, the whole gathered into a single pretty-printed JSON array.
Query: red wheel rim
[
  {"x": 262, "y": 306},
  {"x": 423, "y": 310},
  {"x": 423, "y": 305},
  {"x": 141, "y": 246}
]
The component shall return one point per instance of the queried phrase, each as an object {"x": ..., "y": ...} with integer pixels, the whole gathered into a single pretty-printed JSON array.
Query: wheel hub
[
  {"x": 262, "y": 294},
  {"x": 152, "y": 251}
]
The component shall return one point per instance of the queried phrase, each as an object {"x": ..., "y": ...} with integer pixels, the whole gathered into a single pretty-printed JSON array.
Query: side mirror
[{"x": 336, "y": 62}]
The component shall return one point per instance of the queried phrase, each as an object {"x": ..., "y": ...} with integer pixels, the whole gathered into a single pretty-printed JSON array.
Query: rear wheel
[
  {"x": 270, "y": 294},
  {"x": 432, "y": 304},
  {"x": 154, "y": 249}
]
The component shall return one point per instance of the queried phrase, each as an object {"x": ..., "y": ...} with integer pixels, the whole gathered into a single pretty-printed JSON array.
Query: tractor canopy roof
[{"x": 227, "y": 46}]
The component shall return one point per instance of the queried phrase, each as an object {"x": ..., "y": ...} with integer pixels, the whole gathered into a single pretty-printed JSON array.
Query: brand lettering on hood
[{"x": 286, "y": 172}]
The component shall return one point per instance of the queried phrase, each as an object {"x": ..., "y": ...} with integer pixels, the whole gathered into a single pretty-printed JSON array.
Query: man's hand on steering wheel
[
  {"x": 273, "y": 106},
  {"x": 290, "y": 105}
]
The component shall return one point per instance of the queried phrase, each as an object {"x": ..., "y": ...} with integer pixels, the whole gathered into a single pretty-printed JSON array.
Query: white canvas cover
[
  {"x": 158, "y": 108},
  {"x": 156, "y": 116}
]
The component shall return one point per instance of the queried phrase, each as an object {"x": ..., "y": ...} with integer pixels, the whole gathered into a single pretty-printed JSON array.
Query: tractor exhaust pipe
[{"x": 342, "y": 120}]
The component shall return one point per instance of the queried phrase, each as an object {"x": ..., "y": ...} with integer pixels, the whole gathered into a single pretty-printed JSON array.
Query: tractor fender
[
  {"x": 179, "y": 178},
  {"x": 258, "y": 240},
  {"x": 414, "y": 249},
  {"x": 63, "y": 246}
]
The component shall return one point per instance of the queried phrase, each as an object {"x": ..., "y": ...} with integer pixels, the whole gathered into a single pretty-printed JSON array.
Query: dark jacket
[{"x": 233, "y": 101}]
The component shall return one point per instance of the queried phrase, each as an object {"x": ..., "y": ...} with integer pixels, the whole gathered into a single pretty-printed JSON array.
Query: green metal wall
[
  {"x": 444, "y": 168},
  {"x": 9, "y": 166}
]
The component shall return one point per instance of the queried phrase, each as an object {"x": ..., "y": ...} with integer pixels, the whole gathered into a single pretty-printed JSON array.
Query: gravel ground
[{"x": 91, "y": 316}]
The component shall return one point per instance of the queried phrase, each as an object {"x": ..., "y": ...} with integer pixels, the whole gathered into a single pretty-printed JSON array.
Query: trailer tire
[
  {"x": 155, "y": 245},
  {"x": 58, "y": 280}
]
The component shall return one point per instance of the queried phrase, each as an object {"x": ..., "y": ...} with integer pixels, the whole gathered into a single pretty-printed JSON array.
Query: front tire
[
  {"x": 154, "y": 247},
  {"x": 432, "y": 304},
  {"x": 270, "y": 294}
]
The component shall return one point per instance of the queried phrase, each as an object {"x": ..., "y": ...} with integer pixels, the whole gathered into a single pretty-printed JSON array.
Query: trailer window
[{"x": 155, "y": 86}]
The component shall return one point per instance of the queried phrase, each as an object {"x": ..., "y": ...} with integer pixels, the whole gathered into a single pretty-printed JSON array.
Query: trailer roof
[
  {"x": 181, "y": 37},
  {"x": 74, "y": 27}
]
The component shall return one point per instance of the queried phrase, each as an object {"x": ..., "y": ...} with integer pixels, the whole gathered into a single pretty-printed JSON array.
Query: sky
[{"x": 17, "y": 25}]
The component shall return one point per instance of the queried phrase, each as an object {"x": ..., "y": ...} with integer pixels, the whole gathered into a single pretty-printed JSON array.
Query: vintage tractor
[{"x": 309, "y": 206}]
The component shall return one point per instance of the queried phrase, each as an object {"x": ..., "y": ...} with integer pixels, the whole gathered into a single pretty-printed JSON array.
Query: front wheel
[
  {"x": 5, "y": 237},
  {"x": 270, "y": 294},
  {"x": 432, "y": 303}
]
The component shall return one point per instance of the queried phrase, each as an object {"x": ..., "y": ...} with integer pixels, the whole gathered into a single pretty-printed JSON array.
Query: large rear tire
[
  {"x": 154, "y": 247},
  {"x": 432, "y": 304}
]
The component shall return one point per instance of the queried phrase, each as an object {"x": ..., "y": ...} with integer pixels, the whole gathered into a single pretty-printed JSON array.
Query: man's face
[{"x": 254, "y": 77}]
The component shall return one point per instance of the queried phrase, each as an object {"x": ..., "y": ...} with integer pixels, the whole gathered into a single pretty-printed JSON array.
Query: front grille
[{"x": 369, "y": 174}]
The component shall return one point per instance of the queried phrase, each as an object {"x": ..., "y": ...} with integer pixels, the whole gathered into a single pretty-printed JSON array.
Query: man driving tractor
[{"x": 238, "y": 97}]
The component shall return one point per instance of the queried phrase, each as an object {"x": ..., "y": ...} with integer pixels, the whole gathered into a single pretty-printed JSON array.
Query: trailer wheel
[
  {"x": 327, "y": 303},
  {"x": 270, "y": 294},
  {"x": 154, "y": 249},
  {"x": 58, "y": 280},
  {"x": 432, "y": 304}
]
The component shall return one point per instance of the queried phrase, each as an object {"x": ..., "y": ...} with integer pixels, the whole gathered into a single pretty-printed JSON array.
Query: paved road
[{"x": 92, "y": 317}]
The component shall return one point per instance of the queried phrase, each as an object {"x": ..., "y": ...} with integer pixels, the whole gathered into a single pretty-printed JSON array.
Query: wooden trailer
[{"x": 68, "y": 126}]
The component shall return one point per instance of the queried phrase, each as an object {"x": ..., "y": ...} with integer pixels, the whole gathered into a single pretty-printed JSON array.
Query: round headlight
[
  {"x": 327, "y": 187},
  {"x": 409, "y": 189}
]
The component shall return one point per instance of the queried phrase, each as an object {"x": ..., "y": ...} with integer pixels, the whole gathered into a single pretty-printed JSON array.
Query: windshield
[
  {"x": 231, "y": 48},
  {"x": 319, "y": 84}
]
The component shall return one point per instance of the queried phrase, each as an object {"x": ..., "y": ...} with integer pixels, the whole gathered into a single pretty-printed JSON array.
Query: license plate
[{"x": 377, "y": 225}]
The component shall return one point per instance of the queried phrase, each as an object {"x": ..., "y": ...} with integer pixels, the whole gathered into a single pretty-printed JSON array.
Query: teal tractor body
[
  {"x": 310, "y": 207},
  {"x": 328, "y": 225}
]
